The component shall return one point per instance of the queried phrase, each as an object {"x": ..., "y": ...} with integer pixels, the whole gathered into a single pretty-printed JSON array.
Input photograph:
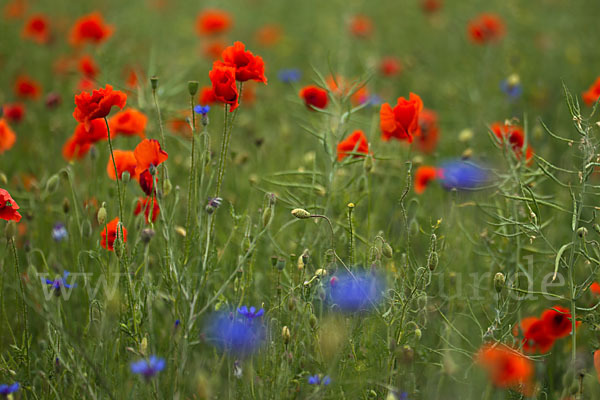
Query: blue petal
[
  {"x": 326, "y": 380},
  {"x": 260, "y": 312}
]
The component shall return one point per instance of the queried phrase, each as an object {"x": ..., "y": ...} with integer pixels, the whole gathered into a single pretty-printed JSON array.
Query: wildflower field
[{"x": 270, "y": 199}]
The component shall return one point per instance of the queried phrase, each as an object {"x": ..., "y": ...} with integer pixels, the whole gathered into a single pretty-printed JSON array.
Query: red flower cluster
[
  {"x": 515, "y": 136},
  {"x": 355, "y": 143},
  {"x": 110, "y": 232},
  {"x": 486, "y": 28},
  {"x": 539, "y": 334},
  {"x": 506, "y": 367},
  {"x": 591, "y": 95},
  {"x": 90, "y": 29},
  {"x": 8, "y": 207},
  {"x": 402, "y": 121},
  {"x": 97, "y": 104}
]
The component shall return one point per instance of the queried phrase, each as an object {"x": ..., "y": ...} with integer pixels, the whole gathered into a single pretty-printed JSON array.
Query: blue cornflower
[
  {"x": 511, "y": 86},
  {"x": 202, "y": 109},
  {"x": 289, "y": 75},
  {"x": 59, "y": 232},
  {"x": 251, "y": 313},
  {"x": 463, "y": 175},
  {"x": 59, "y": 283},
  {"x": 240, "y": 335},
  {"x": 5, "y": 390},
  {"x": 316, "y": 380},
  {"x": 359, "y": 291},
  {"x": 148, "y": 368},
  {"x": 177, "y": 322}
]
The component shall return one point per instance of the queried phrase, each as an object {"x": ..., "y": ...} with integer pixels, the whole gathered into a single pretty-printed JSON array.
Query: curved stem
[{"x": 117, "y": 177}]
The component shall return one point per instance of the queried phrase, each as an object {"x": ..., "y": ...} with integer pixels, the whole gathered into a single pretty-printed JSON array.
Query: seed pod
[
  {"x": 193, "y": 87},
  {"x": 386, "y": 250},
  {"x": 281, "y": 264},
  {"x": 300, "y": 213},
  {"x": 285, "y": 335},
  {"x": 499, "y": 281},
  {"x": 154, "y": 82}
]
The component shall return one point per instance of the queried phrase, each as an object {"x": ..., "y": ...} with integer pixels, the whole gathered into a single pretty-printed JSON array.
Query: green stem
[
  {"x": 117, "y": 177},
  {"x": 191, "y": 190},
  {"x": 23, "y": 308}
]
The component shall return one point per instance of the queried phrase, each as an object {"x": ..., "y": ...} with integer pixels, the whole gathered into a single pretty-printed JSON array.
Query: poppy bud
[
  {"x": 408, "y": 354},
  {"x": 300, "y": 263},
  {"x": 312, "y": 321},
  {"x": 465, "y": 135},
  {"x": 52, "y": 184},
  {"x": 418, "y": 334},
  {"x": 499, "y": 281},
  {"x": 272, "y": 199},
  {"x": 11, "y": 230},
  {"x": 321, "y": 272},
  {"x": 582, "y": 232},
  {"x": 368, "y": 163},
  {"x": 281, "y": 264},
  {"x": 180, "y": 230},
  {"x": 102, "y": 215},
  {"x": 144, "y": 346},
  {"x": 291, "y": 304},
  {"x": 193, "y": 87},
  {"x": 386, "y": 250},
  {"x": 300, "y": 213},
  {"x": 273, "y": 261},
  {"x": 154, "y": 82},
  {"x": 152, "y": 169},
  {"x": 66, "y": 205},
  {"x": 246, "y": 244},
  {"x": 266, "y": 217},
  {"x": 305, "y": 255},
  {"x": 168, "y": 187},
  {"x": 125, "y": 177},
  {"x": 147, "y": 235},
  {"x": 285, "y": 334},
  {"x": 597, "y": 228},
  {"x": 432, "y": 260},
  {"x": 3, "y": 178}
]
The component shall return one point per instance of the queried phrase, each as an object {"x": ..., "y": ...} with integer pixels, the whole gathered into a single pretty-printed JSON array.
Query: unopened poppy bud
[
  {"x": 66, "y": 205},
  {"x": 408, "y": 354},
  {"x": 3, "y": 178},
  {"x": 300, "y": 213},
  {"x": 272, "y": 199},
  {"x": 147, "y": 235},
  {"x": 154, "y": 82},
  {"x": 193, "y": 87},
  {"x": 168, "y": 187},
  {"x": 300, "y": 263},
  {"x": 281, "y": 264},
  {"x": 321, "y": 272},
  {"x": 11, "y": 230},
  {"x": 152, "y": 169},
  {"x": 125, "y": 176},
  {"x": 418, "y": 334},
  {"x": 180, "y": 230},
  {"x": 291, "y": 305},
  {"x": 312, "y": 321},
  {"x": 144, "y": 345},
  {"x": 102, "y": 215},
  {"x": 432, "y": 260},
  {"x": 246, "y": 244},
  {"x": 387, "y": 250},
  {"x": 52, "y": 184},
  {"x": 597, "y": 228},
  {"x": 582, "y": 232},
  {"x": 266, "y": 216},
  {"x": 465, "y": 135},
  {"x": 368, "y": 163},
  {"x": 499, "y": 281},
  {"x": 273, "y": 261},
  {"x": 285, "y": 335}
]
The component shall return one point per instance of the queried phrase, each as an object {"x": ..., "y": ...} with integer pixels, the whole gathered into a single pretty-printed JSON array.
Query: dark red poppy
[
  {"x": 558, "y": 322},
  {"x": 128, "y": 122},
  {"x": 109, "y": 234},
  {"x": 147, "y": 204},
  {"x": 7, "y": 136},
  {"x": 355, "y": 143},
  {"x": 390, "y": 66},
  {"x": 535, "y": 337},
  {"x": 402, "y": 121},
  {"x": 147, "y": 181},
  {"x": 314, "y": 96},
  {"x": 591, "y": 95},
  {"x": 90, "y": 28},
  {"x": 423, "y": 176},
  {"x": 8, "y": 207},
  {"x": 515, "y": 136},
  {"x": 210, "y": 22},
  {"x": 427, "y": 140},
  {"x": 27, "y": 88},
  {"x": 361, "y": 26},
  {"x": 97, "y": 104},
  {"x": 88, "y": 67},
  {"x": 125, "y": 161},
  {"x": 486, "y": 28},
  {"x": 14, "y": 112},
  {"x": 247, "y": 65},
  {"x": 224, "y": 87},
  {"x": 37, "y": 28}
]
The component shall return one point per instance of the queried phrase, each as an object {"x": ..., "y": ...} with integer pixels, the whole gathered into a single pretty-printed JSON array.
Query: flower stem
[
  {"x": 23, "y": 308},
  {"x": 117, "y": 177},
  {"x": 192, "y": 187}
]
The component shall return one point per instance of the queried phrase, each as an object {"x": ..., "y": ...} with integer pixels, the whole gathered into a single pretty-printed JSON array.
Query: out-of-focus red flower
[
  {"x": 595, "y": 288},
  {"x": 506, "y": 367},
  {"x": 15, "y": 9},
  {"x": 431, "y": 6},
  {"x": 558, "y": 322},
  {"x": 148, "y": 153},
  {"x": 214, "y": 48},
  {"x": 355, "y": 143},
  {"x": 360, "y": 96},
  {"x": 179, "y": 123},
  {"x": 91, "y": 106},
  {"x": 314, "y": 96},
  {"x": 109, "y": 234},
  {"x": 125, "y": 161},
  {"x": 8, "y": 207},
  {"x": 27, "y": 88},
  {"x": 591, "y": 95},
  {"x": 131, "y": 79},
  {"x": 37, "y": 28},
  {"x": 337, "y": 85},
  {"x": 247, "y": 65},
  {"x": 147, "y": 204},
  {"x": 224, "y": 87},
  {"x": 90, "y": 28},
  {"x": 128, "y": 122},
  {"x": 515, "y": 136},
  {"x": 402, "y": 121},
  {"x": 361, "y": 26},
  {"x": 14, "y": 112},
  {"x": 428, "y": 122},
  {"x": 535, "y": 336},
  {"x": 597, "y": 363},
  {"x": 86, "y": 84},
  {"x": 269, "y": 35},
  {"x": 7, "y": 136},
  {"x": 211, "y": 22},
  {"x": 486, "y": 28},
  {"x": 88, "y": 67},
  {"x": 423, "y": 176},
  {"x": 390, "y": 66},
  {"x": 53, "y": 100},
  {"x": 78, "y": 145},
  {"x": 206, "y": 96}
]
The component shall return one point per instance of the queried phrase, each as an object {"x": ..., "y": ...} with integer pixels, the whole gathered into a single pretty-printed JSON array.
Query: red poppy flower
[
  {"x": 224, "y": 87},
  {"x": 7, "y": 136},
  {"x": 146, "y": 182},
  {"x": 390, "y": 66},
  {"x": 88, "y": 67},
  {"x": 15, "y": 9},
  {"x": 431, "y": 6},
  {"x": 27, "y": 88},
  {"x": 361, "y": 26},
  {"x": 247, "y": 65},
  {"x": 356, "y": 143},
  {"x": 506, "y": 367},
  {"x": 593, "y": 93},
  {"x": 97, "y": 104},
  {"x": 80, "y": 142},
  {"x": 423, "y": 176},
  {"x": 206, "y": 96},
  {"x": 125, "y": 161},
  {"x": 147, "y": 204},
  {"x": 14, "y": 112},
  {"x": 314, "y": 96},
  {"x": 486, "y": 28},
  {"x": 8, "y": 207},
  {"x": 595, "y": 288},
  {"x": 558, "y": 322},
  {"x": 269, "y": 35},
  {"x": 515, "y": 136},
  {"x": 210, "y": 22},
  {"x": 128, "y": 122},
  {"x": 37, "y": 28},
  {"x": 535, "y": 336},
  {"x": 402, "y": 121},
  {"x": 131, "y": 78},
  {"x": 109, "y": 234},
  {"x": 90, "y": 29},
  {"x": 149, "y": 153},
  {"x": 427, "y": 140}
]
